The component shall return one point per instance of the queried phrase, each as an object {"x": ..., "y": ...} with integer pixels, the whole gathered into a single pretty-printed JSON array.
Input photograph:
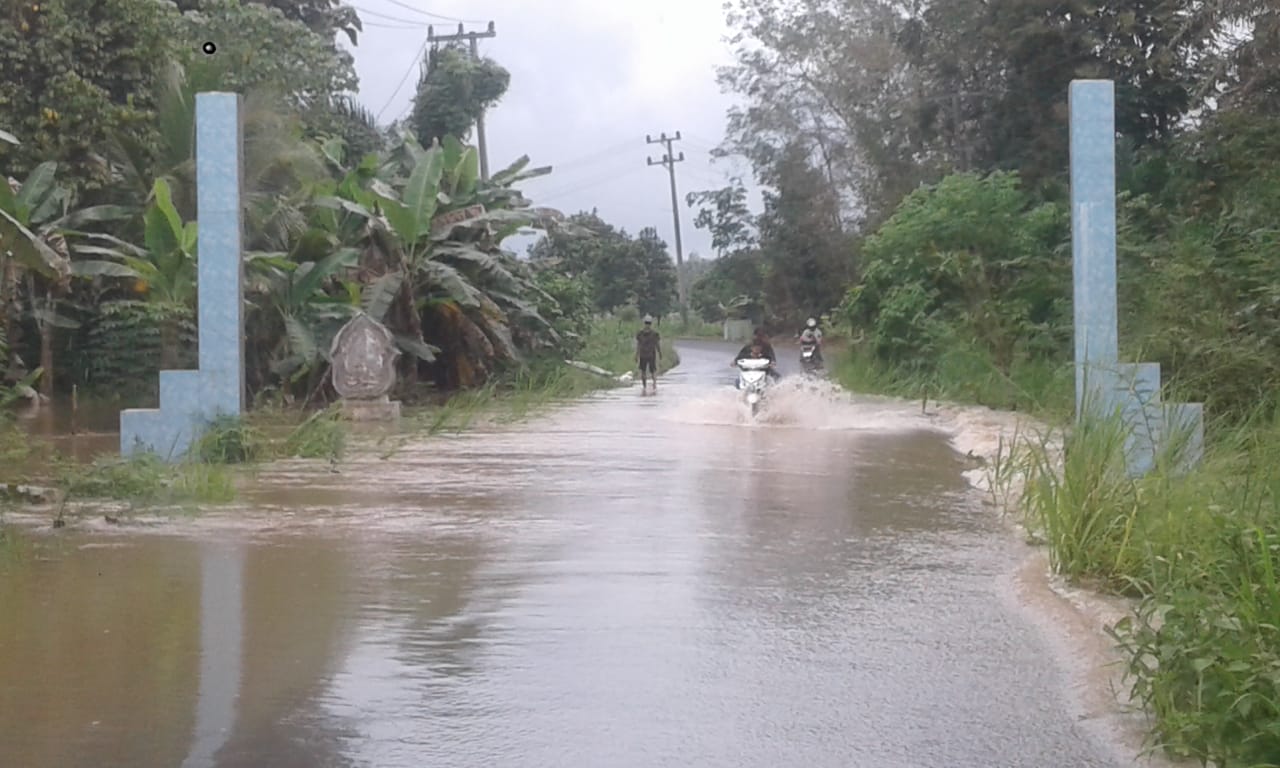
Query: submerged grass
[{"x": 143, "y": 480}]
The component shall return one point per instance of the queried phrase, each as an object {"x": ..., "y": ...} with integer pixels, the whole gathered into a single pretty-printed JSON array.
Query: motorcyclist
[
  {"x": 758, "y": 350},
  {"x": 812, "y": 334}
]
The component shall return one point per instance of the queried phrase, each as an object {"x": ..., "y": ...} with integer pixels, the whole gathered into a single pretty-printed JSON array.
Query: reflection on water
[
  {"x": 629, "y": 582},
  {"x": 221, "y": 641}
]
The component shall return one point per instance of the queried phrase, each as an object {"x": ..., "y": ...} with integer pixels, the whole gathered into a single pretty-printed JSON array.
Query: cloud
[{"x": 589, "y": 79}]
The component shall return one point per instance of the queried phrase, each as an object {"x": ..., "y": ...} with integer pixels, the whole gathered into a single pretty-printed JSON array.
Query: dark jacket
[
  {"x": 745, "y": 352},
  {"x": 647, "y": 341}
]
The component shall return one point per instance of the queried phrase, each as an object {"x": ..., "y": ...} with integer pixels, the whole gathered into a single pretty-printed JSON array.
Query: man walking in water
[{"x": 648, "y": 352}]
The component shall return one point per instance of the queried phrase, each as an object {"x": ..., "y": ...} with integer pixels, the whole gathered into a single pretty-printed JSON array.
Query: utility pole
[
  {"x": 670, "y": 160},
  {"x": 473, "y": 37}
]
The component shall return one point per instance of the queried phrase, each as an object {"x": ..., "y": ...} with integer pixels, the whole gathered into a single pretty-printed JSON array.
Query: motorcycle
[
  {"x": 810, "y": 363},
  {"x": 753, "y": 378}
]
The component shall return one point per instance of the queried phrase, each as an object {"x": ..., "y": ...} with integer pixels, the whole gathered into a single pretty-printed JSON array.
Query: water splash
[{"x": 799, "y": 402}]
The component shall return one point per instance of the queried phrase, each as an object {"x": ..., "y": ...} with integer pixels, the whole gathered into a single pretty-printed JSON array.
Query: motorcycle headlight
[{"x": 753, "y": 398}]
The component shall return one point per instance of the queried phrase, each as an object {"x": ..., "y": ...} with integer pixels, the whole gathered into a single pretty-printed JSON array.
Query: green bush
[{"x": 971, "y": 260}]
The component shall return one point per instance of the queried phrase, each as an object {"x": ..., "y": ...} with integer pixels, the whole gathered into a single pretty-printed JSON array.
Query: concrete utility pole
[
  {"x": 670, "y": 160},
  {"x": 473, "y": 37}
]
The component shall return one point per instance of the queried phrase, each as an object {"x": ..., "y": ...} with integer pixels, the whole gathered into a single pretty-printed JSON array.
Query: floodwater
[{"x": 628, "y": 581}]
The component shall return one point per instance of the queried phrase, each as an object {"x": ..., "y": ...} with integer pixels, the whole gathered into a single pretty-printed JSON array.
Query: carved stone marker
[
  {"x": 1104, "y": 386},
  {"x": 189, "y": 400},
  {"x": 364, "y": 369}
]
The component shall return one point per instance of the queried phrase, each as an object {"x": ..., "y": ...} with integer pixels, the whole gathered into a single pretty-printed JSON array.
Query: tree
[
  {"x": 724, "y": 213},
  {"x": 323, "y": 17},
  {"x": 620, "y": 269},
  {"x": 808, "y": 257},
  {"x": 452, "y": 295},
  {"x": 75, "y": 71},
  {"x": 733, "y": 287},
  {"x": 972, "y": 260},
  {"x": 261, "y": 46},
  {"x": 655, "y": 294},
  {"x": 454, "y": 92}
]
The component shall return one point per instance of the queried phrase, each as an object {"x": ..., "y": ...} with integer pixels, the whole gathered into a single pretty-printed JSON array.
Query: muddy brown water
[{"x": 627, "y": 581}]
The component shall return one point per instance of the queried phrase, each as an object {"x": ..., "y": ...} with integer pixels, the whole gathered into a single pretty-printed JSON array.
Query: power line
[
  {"x": 416, "y": 22},
  {"x": 415, "y": 25},
  {"x": 416, "y": 59},
  {"x": 563, "y": 191},
  {"x": 434, "y": 15},
  {"x": 594, "y": 156}
]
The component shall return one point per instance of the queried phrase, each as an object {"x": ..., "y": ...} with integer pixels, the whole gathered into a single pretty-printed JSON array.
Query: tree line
[
  {"x": 97, "y": 218},
  {"x": 915, "y": 161}
]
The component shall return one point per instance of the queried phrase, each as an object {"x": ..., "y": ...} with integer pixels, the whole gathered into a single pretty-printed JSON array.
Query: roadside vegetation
[{"x": 915, "y": 162}]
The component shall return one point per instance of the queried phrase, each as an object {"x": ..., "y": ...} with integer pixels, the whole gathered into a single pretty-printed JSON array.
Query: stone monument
[
  {"x": 364, "y": 369},
  {"x": 189, "y": 400},
  {"x": 1104, "y": 386}
]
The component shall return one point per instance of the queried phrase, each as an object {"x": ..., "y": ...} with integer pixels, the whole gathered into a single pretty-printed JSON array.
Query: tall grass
[
  {"x": 1200, "y": 551},
  {"x": 964, "y": 374}
]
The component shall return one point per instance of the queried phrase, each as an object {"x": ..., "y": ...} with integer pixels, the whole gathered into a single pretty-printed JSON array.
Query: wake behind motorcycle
[{"x": 753, "y": 379}]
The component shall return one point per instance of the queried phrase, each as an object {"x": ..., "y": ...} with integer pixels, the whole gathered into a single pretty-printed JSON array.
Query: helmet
[
  {"x": 812, "y": 323},
  {"x": 648, "y": 319}
]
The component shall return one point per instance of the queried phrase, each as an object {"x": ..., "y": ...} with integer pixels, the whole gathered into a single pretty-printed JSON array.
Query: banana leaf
[
  {"x": 342, "y": 204},
  {"x": 506, "y": 174},
  {"x": 30, "y": 249},
  {"x": 380, "y": 294},
  {"x": 93, "y": 268},
  {"x": 93, "y": 215},
  {"x": 419, "y": 349},
  {"x": 46, "y": 316},
  {"x": 453, "y": 283},
  {"x": 307, "y": 283},
  {"x": 301, "y": 340},
  {"x": 38, "y": 186},
  {"x": 419, "y": 195}
]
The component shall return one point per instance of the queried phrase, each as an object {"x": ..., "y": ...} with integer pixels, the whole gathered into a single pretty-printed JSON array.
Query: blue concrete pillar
[
  {"x": 1093, "y": 237},
  {"x": 190, "y": 399}
]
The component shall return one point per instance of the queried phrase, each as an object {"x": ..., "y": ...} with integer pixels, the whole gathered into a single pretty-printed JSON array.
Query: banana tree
[
  {"x": 298, "y": 316},
  {"x": 164, "y": 270},
  {"x": 35, "y": 221},
  {"x": 448, "y": 270}
]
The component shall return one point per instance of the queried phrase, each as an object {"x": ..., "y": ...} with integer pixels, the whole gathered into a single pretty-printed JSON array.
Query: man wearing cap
[{"x": 648, "y": 352}]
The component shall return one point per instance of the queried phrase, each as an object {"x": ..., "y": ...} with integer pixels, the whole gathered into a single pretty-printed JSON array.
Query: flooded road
[{"x": 628, "y": 581}]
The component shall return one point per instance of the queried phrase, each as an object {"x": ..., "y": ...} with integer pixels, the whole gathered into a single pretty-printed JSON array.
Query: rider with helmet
[{"x": 812, "y": 334}]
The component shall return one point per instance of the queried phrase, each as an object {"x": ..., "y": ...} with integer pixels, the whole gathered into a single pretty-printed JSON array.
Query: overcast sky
[{"x": 589, "y": 79}]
